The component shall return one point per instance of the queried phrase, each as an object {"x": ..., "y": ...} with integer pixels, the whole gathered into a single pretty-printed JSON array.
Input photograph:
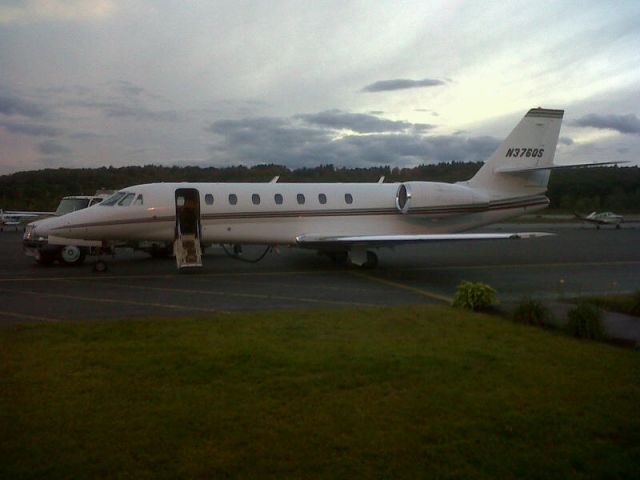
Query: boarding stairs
[{"x": 187, "y": 251}]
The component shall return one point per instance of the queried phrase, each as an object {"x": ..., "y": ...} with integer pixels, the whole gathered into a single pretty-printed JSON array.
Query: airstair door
[{"x": 187, "y": 241}]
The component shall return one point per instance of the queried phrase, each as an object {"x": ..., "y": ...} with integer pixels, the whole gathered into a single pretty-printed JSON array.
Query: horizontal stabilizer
[
  {"x": 317, "y": 241},
  {"x": 516, "y": 169}
]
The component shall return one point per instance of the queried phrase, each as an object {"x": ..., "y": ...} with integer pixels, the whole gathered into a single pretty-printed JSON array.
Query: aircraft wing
[
  {"x": 13, "y": 217},
  {"x": 13, "y": 213},
  {"x": 320, "y": 241}
]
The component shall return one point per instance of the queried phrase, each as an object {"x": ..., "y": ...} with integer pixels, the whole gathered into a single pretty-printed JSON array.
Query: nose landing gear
[{"x": 72, "y": 255}]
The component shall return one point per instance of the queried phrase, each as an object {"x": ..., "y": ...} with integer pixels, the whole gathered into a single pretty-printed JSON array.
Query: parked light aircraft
[
  {"x": 602, "y": 218},
  {"x": 13, "y": 218},
  {"x": 344, "y": 220}
]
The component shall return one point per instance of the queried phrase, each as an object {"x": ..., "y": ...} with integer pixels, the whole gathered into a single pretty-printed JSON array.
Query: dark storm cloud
[
  {"x": 357, "y": 122},
  {"x": 401, "y": 84},
  {"x": 622, "y": 123},
  {"x": 51, "y": 147},
  {"x": 11, "y": 105},
  {"x": 267, "y": 139},
  {"x": 30, "y": 130},
  {"x": 287, "y": 142}
]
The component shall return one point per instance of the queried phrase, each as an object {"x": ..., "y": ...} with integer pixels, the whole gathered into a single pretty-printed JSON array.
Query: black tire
[
  {"x": 372, "y": 260},
  {"x": 339, "y": 258},
  {"x": 100, "y": 266}
]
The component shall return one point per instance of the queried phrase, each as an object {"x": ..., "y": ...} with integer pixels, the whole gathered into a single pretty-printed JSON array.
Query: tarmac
[{"x": 579, "y": 260}]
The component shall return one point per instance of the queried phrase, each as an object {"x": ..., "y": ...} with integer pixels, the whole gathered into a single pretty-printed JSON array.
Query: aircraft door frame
[{"x": 187, "y": 203}]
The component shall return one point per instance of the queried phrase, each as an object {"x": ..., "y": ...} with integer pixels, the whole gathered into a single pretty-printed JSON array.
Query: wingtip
[{"x": 525, "y": 235}]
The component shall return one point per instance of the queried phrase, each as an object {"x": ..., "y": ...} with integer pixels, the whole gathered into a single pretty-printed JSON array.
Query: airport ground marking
[
  {"x": 114, "y": 301},
  {"x": 258, "y": 296},
  {"x": 24, "y": 316},
  {"x": 99, "y": 276},
  {"x": 409, "y": 288},
  {"x": 521, "y": 265}
]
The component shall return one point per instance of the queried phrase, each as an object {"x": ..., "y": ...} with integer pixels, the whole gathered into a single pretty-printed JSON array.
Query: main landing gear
[{"x": 359, "y": 257}]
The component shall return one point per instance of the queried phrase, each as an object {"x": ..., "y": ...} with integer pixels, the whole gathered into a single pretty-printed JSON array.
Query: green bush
[
  {"x": 585, "y": 321},
  {"x": 531, "y": 312},
  {"x": 474, "y": 296}
]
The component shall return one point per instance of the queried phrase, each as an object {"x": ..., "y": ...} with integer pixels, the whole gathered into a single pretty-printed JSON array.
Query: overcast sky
[{"x": 106, "y": 82}]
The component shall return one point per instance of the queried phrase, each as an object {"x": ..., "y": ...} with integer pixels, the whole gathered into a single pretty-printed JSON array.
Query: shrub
[
  {"x": 585, "y": 321},
  {"x": 531, "y": 312},
  {"x": 474, "y": 296}
]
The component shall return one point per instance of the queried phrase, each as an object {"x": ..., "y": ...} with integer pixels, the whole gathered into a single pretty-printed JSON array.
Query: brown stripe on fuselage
[{"x": 439, "y": 210}]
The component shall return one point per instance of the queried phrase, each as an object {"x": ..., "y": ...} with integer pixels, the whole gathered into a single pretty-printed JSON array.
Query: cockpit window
[
  {"x": 139, "y": 200},
  {"x": 113, "y": 199},
  {"x": 126, "y": 200}
]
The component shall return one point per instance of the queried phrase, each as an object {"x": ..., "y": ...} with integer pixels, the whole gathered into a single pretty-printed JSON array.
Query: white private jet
[
  {"x": 344, "y": 220},
  {"x": 602, "y": 218},
  {"x": 13, "y": 217}
]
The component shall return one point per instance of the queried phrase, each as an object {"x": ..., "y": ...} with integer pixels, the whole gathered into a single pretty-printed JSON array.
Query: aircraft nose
[{"x": 42, "y": 228}]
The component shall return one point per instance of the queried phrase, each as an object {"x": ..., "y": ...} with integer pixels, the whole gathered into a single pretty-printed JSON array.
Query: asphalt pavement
[{"x": 578, "y": 260}]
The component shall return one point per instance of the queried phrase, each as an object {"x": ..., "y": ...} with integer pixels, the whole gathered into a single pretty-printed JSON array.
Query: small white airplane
[
  {"x": 344, "y": 220},
  {"x": 13, "y": 217},
  {"x": 602, "y": 218}
]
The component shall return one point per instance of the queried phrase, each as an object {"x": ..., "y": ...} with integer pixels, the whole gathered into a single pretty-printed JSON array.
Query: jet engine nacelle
[{"x": 429, "y": 194}]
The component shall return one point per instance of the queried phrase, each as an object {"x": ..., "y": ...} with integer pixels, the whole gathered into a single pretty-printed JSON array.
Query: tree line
[{"x": 587, "y": 189}]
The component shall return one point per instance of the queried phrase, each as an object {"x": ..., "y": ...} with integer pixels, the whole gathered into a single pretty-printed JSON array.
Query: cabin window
[
  {"x": 233, "y": 198},
  {"x": 113, "y": 199},
  {"x": 322, "y": 198},
  {"x": 348, "y": 198},
  {"x": 126, "y": 200},
  {"x": 255, "y": 198},
  {"x": 278, "y": 198},
  {"x": 301, "y": 199},
  {"x": 208, "y": 199},
  {"x": 139, "y": 200}
]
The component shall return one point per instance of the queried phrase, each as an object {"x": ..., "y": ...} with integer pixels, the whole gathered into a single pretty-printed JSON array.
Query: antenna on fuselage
[
  {"x": 275, "y": 179},
  {"x": 381, "y": 179}
]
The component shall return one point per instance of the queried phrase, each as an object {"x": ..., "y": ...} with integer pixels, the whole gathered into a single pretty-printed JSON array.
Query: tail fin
[{"x": 520, "y": 165}]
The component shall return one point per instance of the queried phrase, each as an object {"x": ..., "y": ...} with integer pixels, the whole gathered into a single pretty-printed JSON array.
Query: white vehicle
[
  {"x": 349, "y": 220},
  {"x": 602, "y": 218},
  {"x": 71, "y": 252}
]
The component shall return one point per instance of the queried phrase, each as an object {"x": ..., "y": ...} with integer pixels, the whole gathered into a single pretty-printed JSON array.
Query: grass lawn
[{"x": 407, "y": 392}]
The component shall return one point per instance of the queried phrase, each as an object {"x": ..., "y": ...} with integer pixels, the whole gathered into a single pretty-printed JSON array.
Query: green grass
[
  {"x": 624, "y": 303},
  {"x": 410, "y": 392}
]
